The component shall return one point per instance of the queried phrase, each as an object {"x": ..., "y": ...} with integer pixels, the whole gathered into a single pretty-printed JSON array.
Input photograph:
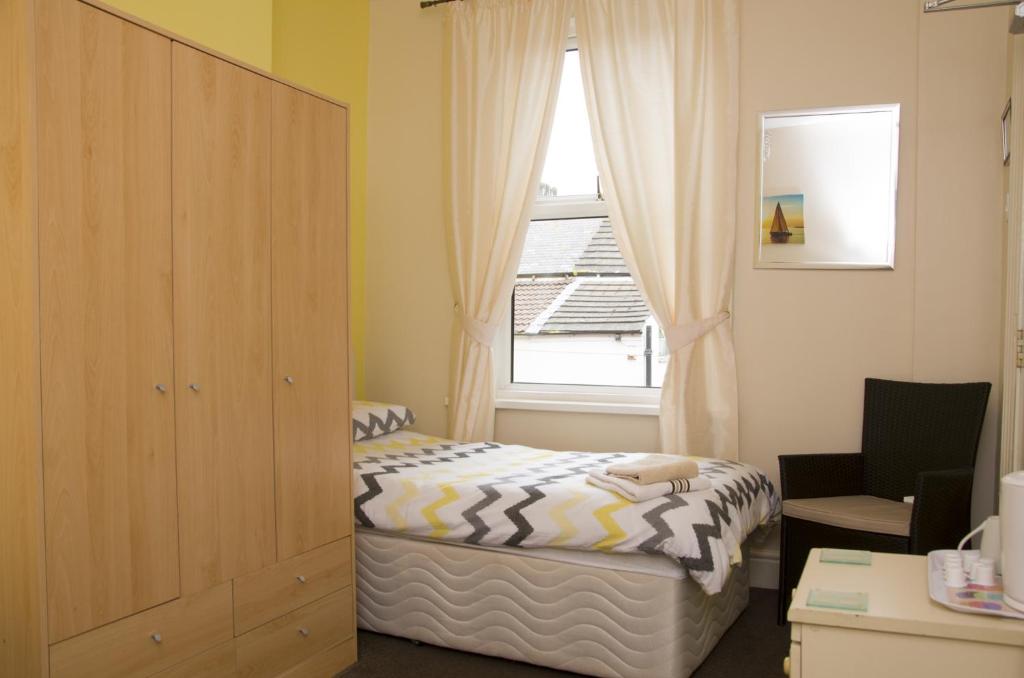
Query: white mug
[
  {"x": 955, "y": 578},
  {"x": 984, "y": 572}
]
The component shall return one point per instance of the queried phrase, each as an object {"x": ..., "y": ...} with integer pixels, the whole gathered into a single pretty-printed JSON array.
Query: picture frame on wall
[
  {"x": 1006, "y": 131},
  {"x": 827, "y": 187}
]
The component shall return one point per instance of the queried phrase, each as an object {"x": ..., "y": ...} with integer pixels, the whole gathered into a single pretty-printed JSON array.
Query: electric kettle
[{"x": 1010, "y": 538}]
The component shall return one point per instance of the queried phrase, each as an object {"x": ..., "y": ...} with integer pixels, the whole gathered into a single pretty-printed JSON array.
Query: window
[{"x": 580, "y": 329}]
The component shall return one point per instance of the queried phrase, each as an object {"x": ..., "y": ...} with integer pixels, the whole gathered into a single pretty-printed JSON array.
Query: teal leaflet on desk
[
  {"x": 846, "y": 556},
  {"x": 838, "y": 600}
]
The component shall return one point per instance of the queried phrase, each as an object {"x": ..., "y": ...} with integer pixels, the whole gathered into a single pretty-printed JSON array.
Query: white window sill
[{"x": 588, "y": 403}]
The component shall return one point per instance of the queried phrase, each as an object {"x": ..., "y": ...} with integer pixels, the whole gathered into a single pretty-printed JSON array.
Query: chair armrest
[
  {"x": 821, "y": 475},
  {"x": 942, "y": 510}
]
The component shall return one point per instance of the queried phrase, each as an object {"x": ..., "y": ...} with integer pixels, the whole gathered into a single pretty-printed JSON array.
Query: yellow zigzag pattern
[
  {"x": 615, "y": 533},
  {"x": 375, "y": 445},
  {"x": 410, "y": 492},
  {"x": 566, "y": 530},
  {"x": 410, "y": 486},
  {"x": 430, "y": 512},
  {"x": 450, "y": 495}
]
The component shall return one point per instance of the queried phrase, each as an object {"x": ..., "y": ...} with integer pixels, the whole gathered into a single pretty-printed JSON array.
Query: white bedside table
[{"x": 902, "y": 634}]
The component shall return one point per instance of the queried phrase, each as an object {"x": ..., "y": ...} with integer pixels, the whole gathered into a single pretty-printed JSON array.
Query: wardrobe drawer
[
  {"x": 327, "y": 664},
  {"x": 288, "y": 585},
  {"x": 295, "y": 637},
  {"x": 150, "y": 641},
  {"x": 218, "y": 662}
]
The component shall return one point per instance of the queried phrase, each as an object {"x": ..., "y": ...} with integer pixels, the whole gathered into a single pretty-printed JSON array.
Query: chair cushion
[{"x": 859, "y": 512}]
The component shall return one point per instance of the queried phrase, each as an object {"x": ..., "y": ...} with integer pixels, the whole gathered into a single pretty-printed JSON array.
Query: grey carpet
[{"x": 753, "y": 647}]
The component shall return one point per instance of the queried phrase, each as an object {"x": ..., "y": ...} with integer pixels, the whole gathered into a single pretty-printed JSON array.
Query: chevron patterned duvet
[{"x": 507, "y": 495}]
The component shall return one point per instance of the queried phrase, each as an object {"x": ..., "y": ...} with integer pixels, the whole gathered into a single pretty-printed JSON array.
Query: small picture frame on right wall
[{"x": 1006, "y": 131}]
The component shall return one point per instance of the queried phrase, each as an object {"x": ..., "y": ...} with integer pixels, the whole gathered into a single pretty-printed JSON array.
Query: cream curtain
[
  {"x": 661, "y": 79},
  {"x": 503, "y": 65}
]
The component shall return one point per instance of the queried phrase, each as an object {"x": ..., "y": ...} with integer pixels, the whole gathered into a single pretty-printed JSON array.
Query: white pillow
[{"x": 370, "y": 420}]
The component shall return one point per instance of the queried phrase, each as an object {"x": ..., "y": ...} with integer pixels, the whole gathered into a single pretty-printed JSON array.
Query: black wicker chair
[{"x": 918, "y": 439}]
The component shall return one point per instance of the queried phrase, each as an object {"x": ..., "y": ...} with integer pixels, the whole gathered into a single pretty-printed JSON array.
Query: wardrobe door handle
[
  {"x": 304, "y": 632},
  {"x": 157, "y": 638},
  {"x": 289, "y": 380},
  {"x": 161, "y": 387},
  {"x": 194, "y": 387},
  {"x": 300, "y": 579}
]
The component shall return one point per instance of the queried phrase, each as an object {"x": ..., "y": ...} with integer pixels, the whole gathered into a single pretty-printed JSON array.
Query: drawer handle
[
  {"x": 194, "y": 387},
  {"x": 289, "y": 380},
  {"x": 157, "y": 638},
  {"x": 303, "y": 631},
  {"x": 300, "y": 579},
  {"x": 162, "y": 388}
]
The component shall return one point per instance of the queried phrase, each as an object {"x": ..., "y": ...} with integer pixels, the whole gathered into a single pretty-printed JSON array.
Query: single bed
[{"x": 586, "y": 586}]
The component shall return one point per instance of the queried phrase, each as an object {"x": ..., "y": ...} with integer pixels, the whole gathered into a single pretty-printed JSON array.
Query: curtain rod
[
  {"x": 940, "y": 5},
  {"x": 430, "y": 3}
]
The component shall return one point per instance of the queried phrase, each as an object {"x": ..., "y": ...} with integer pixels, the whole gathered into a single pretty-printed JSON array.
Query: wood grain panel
[
  {"x": 327, "y": 664},
  {"x": 286, "y": 586},
  {"x": 106, "y": 327},
  {"x": 217, "y": 662},
  {"x": 310, "y": 272},
  {"x": 22, "y": 598},
  {"x": 222, "y": 318},
  {"x": 275, "y": 647},
  {"x": 147, "y": 642}
]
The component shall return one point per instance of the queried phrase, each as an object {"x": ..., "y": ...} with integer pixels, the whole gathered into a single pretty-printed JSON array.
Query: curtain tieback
[
  {"x": 482, "y": 333},
  {"x": 681, "y": 336}
]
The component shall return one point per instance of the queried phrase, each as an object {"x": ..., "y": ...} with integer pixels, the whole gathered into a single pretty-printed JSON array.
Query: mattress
[{"x": 615, "y": 618}]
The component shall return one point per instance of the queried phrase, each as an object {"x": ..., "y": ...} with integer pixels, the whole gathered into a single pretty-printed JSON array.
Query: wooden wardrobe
[{"x": 175, "y": 470}]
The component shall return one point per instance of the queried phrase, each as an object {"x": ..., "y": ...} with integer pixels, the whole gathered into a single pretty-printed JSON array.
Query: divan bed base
[{"x": 591, "y": 620}]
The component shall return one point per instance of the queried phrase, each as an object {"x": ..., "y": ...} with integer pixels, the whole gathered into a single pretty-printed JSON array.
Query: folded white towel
[
  {"x": 655, "y": 468},
  {"x": 636, "y": 492}
]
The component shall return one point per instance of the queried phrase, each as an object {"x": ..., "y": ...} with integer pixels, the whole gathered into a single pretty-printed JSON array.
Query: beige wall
[
  {"x": 408, "y": 299},
  {"x": 958, "y": 306},
  {"x": 805, "y": 339}
]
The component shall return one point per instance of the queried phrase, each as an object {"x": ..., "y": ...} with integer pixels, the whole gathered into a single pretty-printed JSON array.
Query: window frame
[{"x": 636, "y": 400}]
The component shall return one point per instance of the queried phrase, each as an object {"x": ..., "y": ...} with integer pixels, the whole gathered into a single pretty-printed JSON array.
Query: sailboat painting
[{"x": 782, "y": 219}]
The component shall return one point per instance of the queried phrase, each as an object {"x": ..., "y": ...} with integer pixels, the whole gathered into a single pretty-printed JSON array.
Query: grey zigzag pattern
[
  {"x": 739, "y": 493},
  {"x": 515, "y": 512},
  {"x": 376, "y": 426},
  {"x": 491, "y": 495}
]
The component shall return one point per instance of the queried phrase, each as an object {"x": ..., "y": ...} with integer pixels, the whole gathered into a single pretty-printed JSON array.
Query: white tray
[{"x": 971, "y": 599}]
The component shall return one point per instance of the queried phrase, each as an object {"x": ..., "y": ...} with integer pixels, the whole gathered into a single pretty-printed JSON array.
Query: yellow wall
[
  {"x": 239, "y": 28},
  {"x": 324, "y": 45},
  {"x": 321, "y": 44}
]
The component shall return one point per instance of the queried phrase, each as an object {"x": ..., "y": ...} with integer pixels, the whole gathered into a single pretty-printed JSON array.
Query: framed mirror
[{"x": 827, "y": 188}]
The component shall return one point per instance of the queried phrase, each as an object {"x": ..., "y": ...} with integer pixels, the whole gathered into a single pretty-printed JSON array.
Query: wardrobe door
[
  {"x": 104, "y": 102},
  {"x": 311, "y": 381},
  {"x": 222, "y": 318}
]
